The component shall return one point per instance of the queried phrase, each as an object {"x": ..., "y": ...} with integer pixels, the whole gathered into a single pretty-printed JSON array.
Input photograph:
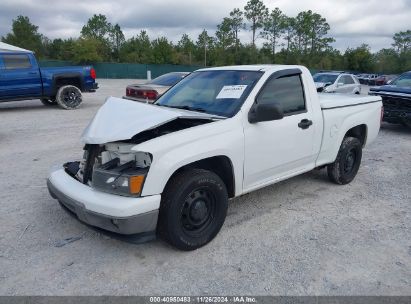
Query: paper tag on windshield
[{"x": 231, "y": 91}]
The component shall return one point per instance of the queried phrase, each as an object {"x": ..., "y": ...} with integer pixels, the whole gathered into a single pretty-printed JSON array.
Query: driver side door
[{"x": 280, "y": 148}]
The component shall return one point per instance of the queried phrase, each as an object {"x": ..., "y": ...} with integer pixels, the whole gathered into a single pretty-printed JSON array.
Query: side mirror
[
  {"x": 340, "y": 84},
  {"x": 265, "y": 112}
]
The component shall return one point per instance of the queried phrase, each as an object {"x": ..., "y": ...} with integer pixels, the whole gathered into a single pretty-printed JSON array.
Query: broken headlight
[{"x": 125, "y": 179}]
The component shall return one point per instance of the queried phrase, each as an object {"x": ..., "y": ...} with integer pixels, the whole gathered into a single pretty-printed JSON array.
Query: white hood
[{"x": 121, "y": 119}]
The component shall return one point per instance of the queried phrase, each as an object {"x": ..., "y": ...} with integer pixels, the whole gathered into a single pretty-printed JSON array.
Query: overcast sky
[{"x": 352, "y": 22}]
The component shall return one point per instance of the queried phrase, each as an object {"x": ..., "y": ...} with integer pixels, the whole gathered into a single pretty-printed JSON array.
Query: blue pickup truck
[{"x": 22, "y": 78}]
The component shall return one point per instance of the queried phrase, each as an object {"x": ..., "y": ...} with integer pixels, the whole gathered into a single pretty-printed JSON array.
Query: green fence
[{"x": 125, "y": 70}]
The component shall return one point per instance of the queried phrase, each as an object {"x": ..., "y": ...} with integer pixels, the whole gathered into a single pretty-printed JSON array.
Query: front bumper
[
  {"x": 119, "y": 214},
  {"x": 396, "y": 116}
]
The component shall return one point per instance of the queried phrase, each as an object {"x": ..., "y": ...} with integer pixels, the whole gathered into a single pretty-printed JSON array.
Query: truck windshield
[
  {"x": 215, "y": 92},
  {"x": 403, "y": 81},
  {"x": 325, "y": 78}
]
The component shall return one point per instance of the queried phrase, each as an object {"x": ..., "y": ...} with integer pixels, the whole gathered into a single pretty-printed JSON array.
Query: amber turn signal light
[{"x": 136, "y": 184}]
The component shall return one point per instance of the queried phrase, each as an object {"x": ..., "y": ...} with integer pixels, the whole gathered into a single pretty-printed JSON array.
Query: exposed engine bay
[
  {"x": 112, "y": 156},
  {"x": 170, "y": 127}
]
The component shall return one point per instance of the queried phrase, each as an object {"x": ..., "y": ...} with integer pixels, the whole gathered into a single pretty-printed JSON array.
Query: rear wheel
[
  {"x": 344, "y": 169},
  {"x": 193, "y": 209},
  {"x": 69, "y": 97},
  {"x": 49, "y": 101}
]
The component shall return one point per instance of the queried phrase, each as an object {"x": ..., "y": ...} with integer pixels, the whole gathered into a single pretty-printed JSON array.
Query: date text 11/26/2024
[{"x": 203, "y": 299}]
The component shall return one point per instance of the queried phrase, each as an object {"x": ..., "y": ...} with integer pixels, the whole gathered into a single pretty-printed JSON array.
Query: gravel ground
[{"x": 304, "y": 236}]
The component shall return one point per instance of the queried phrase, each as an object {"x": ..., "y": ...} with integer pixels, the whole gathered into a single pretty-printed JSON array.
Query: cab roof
[
  {"x": 8, "y": 48},
  {"x": 258, "y": 67}
]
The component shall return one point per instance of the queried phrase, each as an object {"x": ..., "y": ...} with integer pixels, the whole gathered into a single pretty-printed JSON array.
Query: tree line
[{"x": 302, "y": 39}]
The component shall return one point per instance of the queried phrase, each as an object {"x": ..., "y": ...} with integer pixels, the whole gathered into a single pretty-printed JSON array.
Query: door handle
[
  {"x": 305, "y": 124},
  {"x": 32, "y": 73}
]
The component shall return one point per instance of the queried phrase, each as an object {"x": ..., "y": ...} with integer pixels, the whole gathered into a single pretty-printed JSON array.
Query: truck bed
[
  {"x": 343, "y": 112},
  {"x": 329, "y": 101}
]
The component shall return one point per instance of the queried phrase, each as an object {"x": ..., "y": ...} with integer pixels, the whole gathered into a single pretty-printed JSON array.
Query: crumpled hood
[{"x": 121, "y": 119}]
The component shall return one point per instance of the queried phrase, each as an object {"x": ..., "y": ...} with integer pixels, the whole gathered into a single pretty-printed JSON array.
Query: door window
[
  {"x": 12, "y": 62},
  {"x": 286, "y": 92},
  {"x": 347, "y": 79}
]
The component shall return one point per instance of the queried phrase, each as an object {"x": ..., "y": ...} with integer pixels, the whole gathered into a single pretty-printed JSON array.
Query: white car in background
[{"x": 337, "y": 83}]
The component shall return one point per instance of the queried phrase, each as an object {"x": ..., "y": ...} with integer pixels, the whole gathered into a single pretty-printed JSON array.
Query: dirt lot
[{"x": 302, "y": 236}]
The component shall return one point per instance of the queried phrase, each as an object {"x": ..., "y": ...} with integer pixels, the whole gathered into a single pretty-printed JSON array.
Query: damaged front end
[
  {"x": 109, "y": 163},
  {"x": 112, "y": 168},
  {"x": 105, "y": 188}
]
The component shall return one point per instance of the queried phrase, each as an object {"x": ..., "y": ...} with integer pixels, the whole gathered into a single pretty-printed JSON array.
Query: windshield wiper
[{"x": 187, "y": 108}]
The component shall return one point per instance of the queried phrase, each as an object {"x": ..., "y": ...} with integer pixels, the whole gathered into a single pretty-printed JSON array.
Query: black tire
[
  {"x": 193, "y": 209},
  {"x": 344, "y": 169},
  {"x": 69, "y": 97},
  {"x": 49, "y": 101}
]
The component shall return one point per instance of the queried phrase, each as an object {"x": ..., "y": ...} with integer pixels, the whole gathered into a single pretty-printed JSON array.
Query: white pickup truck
[{"x": 169, "y": 168}]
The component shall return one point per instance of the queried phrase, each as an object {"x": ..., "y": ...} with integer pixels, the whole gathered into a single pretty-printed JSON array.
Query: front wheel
[
  {"x": 69, "y": 97},
  {"x": 193, "y": 209},
  {"x": 344, "y": 169}
]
